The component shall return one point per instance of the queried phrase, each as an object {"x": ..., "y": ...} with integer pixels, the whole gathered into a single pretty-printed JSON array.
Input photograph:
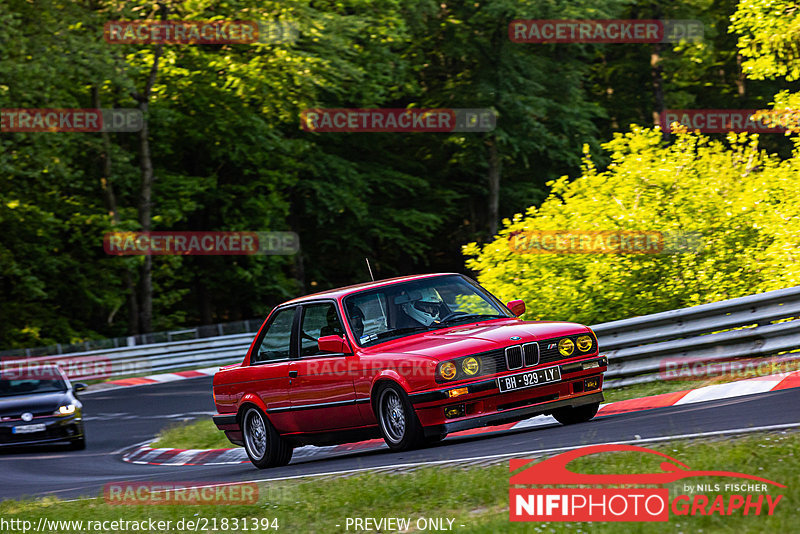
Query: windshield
[
  {"x": 16, "y": 382},
  {"x": 406, "y": 308}
]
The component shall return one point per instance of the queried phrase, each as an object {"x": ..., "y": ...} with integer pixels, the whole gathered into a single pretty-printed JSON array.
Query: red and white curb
[
  {"x": 760, "y": 384},
  {"x": 152, "y": 379},
  {"x": 149, "y": 456}
]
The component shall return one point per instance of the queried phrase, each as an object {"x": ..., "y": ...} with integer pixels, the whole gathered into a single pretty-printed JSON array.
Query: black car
[{"x": 39, "y": 405}]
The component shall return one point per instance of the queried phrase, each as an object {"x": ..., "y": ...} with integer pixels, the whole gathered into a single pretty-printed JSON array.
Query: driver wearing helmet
[{"x": 425, "y": 310}]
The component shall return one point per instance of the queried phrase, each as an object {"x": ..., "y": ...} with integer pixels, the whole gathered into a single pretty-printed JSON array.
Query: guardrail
[
  {"x": 755, "y": 326},
  {"x": 198, "y": 332},
  {"x": 637, "y": 348},
  {"x": 145, "y": 359}
]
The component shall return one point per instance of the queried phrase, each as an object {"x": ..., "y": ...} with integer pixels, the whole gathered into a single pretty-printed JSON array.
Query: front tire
[
  {"x": 576, "y": 414},
  {"x": 264, "y": 446},
  {"x": 77, "y": 444},
  {"x": 399, "y": 423}
]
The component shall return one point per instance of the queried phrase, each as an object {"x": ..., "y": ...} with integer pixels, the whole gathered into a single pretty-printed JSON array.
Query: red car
[{"x": 410, "y": 359}]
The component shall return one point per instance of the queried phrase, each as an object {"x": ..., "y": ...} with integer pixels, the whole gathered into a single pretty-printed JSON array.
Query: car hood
[
  {"x": 473, "y": 338},
  {"x": 34, "y": 403}
]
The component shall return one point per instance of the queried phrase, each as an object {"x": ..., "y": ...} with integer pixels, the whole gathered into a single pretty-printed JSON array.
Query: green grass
[
  {"x": 201, "y": 434},
  {"x": 475, "y": 497}
]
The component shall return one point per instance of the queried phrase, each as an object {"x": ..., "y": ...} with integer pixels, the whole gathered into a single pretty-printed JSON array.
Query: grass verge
[
  {"x": 475, "y": 498},
  {"x": 200, "y": 434}
]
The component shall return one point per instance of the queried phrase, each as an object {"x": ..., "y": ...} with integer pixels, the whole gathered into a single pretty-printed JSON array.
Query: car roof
[{"x": 340, "y": 292}]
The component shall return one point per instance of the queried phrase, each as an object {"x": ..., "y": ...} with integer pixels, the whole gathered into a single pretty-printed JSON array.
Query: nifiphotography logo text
[{"x": 630, "y": 503}]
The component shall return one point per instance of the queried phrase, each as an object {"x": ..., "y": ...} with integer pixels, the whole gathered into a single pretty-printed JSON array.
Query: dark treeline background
[{"x": 224, "y": 150}]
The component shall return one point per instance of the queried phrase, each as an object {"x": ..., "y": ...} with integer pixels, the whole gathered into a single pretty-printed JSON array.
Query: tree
[{"x": 738, "y": 197}]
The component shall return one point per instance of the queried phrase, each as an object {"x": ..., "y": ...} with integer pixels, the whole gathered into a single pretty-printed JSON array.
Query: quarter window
[{"x": 277, "y": 340}]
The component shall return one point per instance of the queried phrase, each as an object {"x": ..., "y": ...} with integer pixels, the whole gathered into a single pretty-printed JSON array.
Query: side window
[
  {"x": 318, "y": 320},
  {"x": 277, "y": 340}
]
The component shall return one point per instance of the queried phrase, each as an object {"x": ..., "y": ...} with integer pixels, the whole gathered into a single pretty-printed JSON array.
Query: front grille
[
  {"x": 531, "y": 354},
  {"x": 513, "y": 357},
  {"x": 519, "y": 356},
  {"x": 17, "y": 416}
]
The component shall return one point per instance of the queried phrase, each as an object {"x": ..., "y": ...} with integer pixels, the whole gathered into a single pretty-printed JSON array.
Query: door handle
[{"x": 292, "y": 374}]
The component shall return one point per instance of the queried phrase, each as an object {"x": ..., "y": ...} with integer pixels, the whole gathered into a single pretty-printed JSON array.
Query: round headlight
[
  {"x": 470, "y": 366},
  {"x": 448, "y": 370},
  {"x": 584, "y": 343},
  {"x": 566, "y": 346}
]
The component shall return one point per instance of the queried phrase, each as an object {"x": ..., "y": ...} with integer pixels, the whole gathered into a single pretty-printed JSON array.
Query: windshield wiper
[
  {"x": 398, "y": 331},
  {"x": 473, "y": 316}
]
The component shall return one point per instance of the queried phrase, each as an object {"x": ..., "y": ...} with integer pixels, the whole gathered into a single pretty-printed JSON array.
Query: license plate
[
  {"x": 529, "y": 379},
  {"x": 27, "y": 429}
]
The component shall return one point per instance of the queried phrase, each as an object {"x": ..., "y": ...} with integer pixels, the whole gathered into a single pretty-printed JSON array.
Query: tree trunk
[
  {"x": 110, "y": 201},
  {"x": 657, "y": 74},
  {"x": 495, "y": 168},
  {"x": 740, "y": 77},
  {"x": 146, "y": 190}
]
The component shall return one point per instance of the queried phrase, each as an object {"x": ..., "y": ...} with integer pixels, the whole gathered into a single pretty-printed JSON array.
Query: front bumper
[
  {"x": 519, "y": 414},
  {"x": 56, "y": 429},
  {"x": 484, "y": 405}
]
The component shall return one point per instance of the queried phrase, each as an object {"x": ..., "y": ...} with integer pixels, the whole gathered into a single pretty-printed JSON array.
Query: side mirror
[
  {"x": 333, "y": 344},
  {"x": 517, "y": 307},
  {"x": 80, "y": 386}
]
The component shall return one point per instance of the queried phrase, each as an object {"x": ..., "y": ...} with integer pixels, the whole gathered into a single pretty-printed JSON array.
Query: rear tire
[
  {"x": 264, "y": 446},
  {"x": 576, "y": 414},
  {"x": 398, "y": 421}
]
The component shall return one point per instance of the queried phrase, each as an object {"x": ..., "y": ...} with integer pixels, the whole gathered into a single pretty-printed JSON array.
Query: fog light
[
  {"x": 451, "y": 412},
  {"x": 592, "y": 383},
  {"x": 456, "y": 392}
]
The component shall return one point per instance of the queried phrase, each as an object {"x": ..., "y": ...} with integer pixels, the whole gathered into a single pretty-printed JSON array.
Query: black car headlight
[{"x": 66, "y": 409}]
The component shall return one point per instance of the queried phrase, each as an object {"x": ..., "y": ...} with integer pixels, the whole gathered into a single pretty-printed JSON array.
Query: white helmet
[{"x": 426, "y": 308}]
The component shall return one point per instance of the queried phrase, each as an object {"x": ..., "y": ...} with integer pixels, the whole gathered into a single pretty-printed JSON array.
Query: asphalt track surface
[{"x": 119, "y": 419}]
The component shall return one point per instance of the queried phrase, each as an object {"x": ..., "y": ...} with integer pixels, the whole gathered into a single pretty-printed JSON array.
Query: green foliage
[
  {"x": 229, "y": 154},
  {"x": 769, "y": 31},
  {"x": 741, "y": 199}
]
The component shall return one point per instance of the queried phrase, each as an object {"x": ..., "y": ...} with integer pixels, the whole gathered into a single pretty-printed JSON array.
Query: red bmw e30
[{"x": 409, "y": 359}]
